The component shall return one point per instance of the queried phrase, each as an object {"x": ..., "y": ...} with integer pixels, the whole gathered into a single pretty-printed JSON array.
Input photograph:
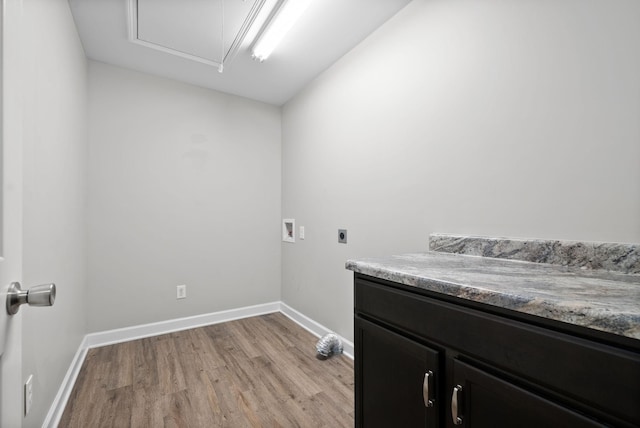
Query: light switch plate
[
  {"x": 28, "y": 395},
  {"x": 181, "y": 291}
]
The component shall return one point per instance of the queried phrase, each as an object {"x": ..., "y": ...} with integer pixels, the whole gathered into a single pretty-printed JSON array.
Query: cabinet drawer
[{"x": 597, "y": 378}]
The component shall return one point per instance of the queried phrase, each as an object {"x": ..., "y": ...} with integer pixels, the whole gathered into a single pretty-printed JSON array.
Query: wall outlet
[
  {"x": 181, "y": 292},
  {"x": 28, "y": 395},
  {"x": 342, "y": 236}
]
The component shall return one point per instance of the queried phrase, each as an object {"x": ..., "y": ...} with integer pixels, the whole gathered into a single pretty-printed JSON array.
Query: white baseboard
[
  {"x": 315, "y": 328},
  {"x": 60, "y": 401},
  {"x": 110, "y": 337}
]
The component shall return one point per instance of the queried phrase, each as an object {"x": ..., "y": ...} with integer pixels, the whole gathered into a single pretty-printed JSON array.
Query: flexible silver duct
[{"x": 328, "y": 345}]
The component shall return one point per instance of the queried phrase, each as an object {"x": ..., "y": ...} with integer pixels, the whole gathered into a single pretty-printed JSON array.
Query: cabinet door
[
  {"x": 392, "y": 386},
  {"x": 488, "y": 401}
]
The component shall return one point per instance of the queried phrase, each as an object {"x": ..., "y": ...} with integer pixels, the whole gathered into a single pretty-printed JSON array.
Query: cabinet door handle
[
  {"x": 425, "y": 389},
  {"x": 457, "y": 419}
]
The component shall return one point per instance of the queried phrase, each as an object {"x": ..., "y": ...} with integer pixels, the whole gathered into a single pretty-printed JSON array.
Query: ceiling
[{"x": 187, "y": 40}]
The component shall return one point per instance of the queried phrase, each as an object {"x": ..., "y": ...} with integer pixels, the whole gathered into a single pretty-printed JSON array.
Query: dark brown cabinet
[
  {"x": 488, "y": 401},
  {"x": 397, "y": 379},
  {"x": 426, "y": 361}
]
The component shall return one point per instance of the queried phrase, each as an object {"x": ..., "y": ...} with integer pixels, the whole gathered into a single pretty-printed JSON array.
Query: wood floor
[{"x": 254, "y": 372}]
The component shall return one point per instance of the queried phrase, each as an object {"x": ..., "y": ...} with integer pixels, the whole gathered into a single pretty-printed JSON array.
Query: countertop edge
[{"x": 573, "y": 312}]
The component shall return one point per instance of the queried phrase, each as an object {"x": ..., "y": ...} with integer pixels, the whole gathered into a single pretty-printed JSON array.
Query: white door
[{"x": 10, "y": 212}]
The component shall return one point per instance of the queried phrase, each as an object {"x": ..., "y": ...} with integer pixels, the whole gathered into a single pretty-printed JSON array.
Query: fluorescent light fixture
[{"x": 286, "y": 16}]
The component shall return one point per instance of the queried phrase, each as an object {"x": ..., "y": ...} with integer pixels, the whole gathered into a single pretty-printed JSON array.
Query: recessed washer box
[{"x": 289, "y": 230}]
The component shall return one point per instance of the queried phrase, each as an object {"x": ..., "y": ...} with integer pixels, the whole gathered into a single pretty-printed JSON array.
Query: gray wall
[
  {"x": 55, "y": 154},
  {"x": 185, "y": 189},
  {"x": 493, "y": 118}
]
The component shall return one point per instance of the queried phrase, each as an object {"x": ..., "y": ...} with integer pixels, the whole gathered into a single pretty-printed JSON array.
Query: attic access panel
[{"x": 193, "y": 29}]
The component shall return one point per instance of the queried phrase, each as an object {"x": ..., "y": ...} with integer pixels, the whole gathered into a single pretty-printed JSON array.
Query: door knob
[{"x": 40, "y": 295}]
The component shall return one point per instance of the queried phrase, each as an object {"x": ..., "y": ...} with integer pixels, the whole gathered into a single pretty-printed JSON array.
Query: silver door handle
[
  {"x": 457, "y": 419},
  {"x": 425, "y": 389},
  {"x": 40, "y": 295}
]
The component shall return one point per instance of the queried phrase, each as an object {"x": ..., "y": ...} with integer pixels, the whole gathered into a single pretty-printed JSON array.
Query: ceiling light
[{"x": 286, "y": 16}]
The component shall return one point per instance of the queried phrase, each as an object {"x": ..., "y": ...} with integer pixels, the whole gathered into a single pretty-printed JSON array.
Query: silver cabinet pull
[
  {"x": 425, "y": 389},
  {"x": 457, "y": 419},
  {"x": 40, "y": 295}
]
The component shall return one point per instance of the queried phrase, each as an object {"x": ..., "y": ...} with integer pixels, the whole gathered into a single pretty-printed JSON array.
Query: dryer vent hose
[{"x": 328, "y": 345}]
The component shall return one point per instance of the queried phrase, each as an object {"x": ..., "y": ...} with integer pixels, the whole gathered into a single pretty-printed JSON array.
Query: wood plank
[{"x": 254, "y": 372}]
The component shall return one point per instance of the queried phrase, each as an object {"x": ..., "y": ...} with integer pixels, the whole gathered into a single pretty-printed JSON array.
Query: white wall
[
  {"x": 185, "y": 189},
  {"x": 55, "y": 155},
  {"x": 496, "y": 118}
]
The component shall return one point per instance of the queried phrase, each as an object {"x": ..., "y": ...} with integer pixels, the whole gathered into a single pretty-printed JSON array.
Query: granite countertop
[{"x": 598, "y": 299}]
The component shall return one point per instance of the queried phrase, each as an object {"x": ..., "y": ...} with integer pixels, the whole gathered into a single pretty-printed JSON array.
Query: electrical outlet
[
  {"x": 28, "y": 395},
  {"x": 181, "y": 291},
  {"x": 342, "y": 236}
]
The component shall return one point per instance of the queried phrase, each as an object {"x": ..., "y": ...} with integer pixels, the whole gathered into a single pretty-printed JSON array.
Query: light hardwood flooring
[{"x": 254, "y": 372}]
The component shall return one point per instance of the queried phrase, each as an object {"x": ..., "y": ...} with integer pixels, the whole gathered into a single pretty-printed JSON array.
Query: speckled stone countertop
[{"x": 598, "y": 299}]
